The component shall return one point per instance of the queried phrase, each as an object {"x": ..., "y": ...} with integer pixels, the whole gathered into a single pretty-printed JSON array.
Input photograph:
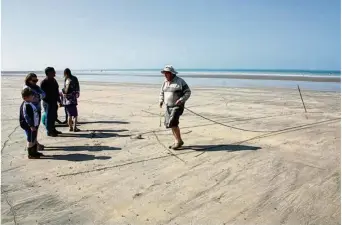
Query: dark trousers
[{"x": 51, "y": 115}]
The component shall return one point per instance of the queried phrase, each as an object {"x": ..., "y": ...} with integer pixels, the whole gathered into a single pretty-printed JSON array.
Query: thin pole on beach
[{"x": 301, "y": 97}]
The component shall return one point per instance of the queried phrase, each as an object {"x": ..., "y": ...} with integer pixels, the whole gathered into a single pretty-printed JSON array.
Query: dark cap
[{"x": 48, "y": 70}]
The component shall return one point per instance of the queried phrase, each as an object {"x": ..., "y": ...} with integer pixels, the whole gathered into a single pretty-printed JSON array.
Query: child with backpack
[
  {"x": 29, "y": 122},
  {"x": 38, "y": 94}
]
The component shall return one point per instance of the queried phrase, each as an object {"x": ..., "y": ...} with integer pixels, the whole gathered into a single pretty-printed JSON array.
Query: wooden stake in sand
[{"x": 300, "y": 93}]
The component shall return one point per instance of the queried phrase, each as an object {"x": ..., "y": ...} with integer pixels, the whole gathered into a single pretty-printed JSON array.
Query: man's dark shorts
[{"x": 172, "y": 116}]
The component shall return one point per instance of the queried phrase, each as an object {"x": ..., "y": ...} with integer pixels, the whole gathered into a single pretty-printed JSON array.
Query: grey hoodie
[{"x": 173, "y": 91}]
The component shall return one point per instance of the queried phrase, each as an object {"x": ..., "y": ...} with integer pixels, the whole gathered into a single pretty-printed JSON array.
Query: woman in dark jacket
[{"x": 38, "y": 94}]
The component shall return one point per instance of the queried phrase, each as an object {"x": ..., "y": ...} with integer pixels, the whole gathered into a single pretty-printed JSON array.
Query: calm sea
[{"x": 153, "y": 76}]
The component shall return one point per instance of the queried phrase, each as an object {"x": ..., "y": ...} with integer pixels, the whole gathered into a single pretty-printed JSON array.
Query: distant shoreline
[
  {"x": 309, "y": 78},
  {"x": 200, "y": 83},
  {"x": 186, "y": 70},
  {"x": 263, "y": 77}
]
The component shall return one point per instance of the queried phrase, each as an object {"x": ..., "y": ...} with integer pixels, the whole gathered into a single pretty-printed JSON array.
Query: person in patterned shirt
[{"x": 70, "y": 95}]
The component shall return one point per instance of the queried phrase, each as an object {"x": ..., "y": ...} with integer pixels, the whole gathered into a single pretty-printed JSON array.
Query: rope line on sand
[
  {"x": 225, "y": 125},
  {"x": 221, "y": 123},
  {"x": 173, "y": 154},
  {"x": 286, "y": 130}
]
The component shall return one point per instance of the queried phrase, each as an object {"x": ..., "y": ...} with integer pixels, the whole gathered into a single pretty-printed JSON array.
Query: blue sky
[{"x": 89, "y": 34}]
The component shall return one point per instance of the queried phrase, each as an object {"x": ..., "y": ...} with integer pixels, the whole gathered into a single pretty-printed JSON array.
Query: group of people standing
[
  {"x": 174, "y": 93},
  {"x": 50, "y": 97}
]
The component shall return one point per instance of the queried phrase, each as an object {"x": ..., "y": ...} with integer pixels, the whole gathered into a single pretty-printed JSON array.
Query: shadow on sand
[
  {"x": 96, "y": 148},
  {"x": 103, "y": 121},
  {"x": 107, "y": 131},
  {"x": 76, "y": 157},
  {"x": 228, "y": 148},
  {"x": 93, "y": 135}
]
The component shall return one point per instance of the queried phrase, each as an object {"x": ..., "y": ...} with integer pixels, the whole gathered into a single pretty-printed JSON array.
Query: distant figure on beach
[
  {"x": 174, "y": 93},
  {"x": 29, "y": 120},
  {"x": 38, "y": 94},
  {"x": 50, "y": 103},
  {"x": 70, "y": 95}
]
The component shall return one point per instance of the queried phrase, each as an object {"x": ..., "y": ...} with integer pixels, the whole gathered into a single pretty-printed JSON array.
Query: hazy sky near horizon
[{"x": 104, "y": 34}]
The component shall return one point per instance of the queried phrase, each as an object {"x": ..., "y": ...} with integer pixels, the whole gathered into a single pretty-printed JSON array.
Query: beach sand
[{"x": 104, "y": 175}]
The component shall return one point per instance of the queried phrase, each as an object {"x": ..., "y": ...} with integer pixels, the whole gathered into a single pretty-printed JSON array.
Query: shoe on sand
[
  {"x": 57, "y": 132},
  {"x": 76, "y": 130},
  {"x": 34, "y": 156},
  {"x": 40, "y": 154},
  {"x": 40, "y": 147},
  {"x": 32, "y": 153},
  {"x": 53, "y": 134},
  {"x": 59, "y": 122},
  {"x": 35, "y": 150},
  {"x": 176, "y": 146}
]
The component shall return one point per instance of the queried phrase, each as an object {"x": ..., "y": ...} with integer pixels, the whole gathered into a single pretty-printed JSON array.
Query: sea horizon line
[{"x": 196, "y": 69}]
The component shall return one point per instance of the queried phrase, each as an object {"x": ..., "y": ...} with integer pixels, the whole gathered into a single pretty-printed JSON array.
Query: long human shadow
[
  {"x": 93, "y": 135},
  {"x": 95, "y": 148},
  {"x": 103, "y": 121},
  {"x": 75, "y": 157},
  {"x": 108, "y": 131},
  {"x": 222, "y": 147}
]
